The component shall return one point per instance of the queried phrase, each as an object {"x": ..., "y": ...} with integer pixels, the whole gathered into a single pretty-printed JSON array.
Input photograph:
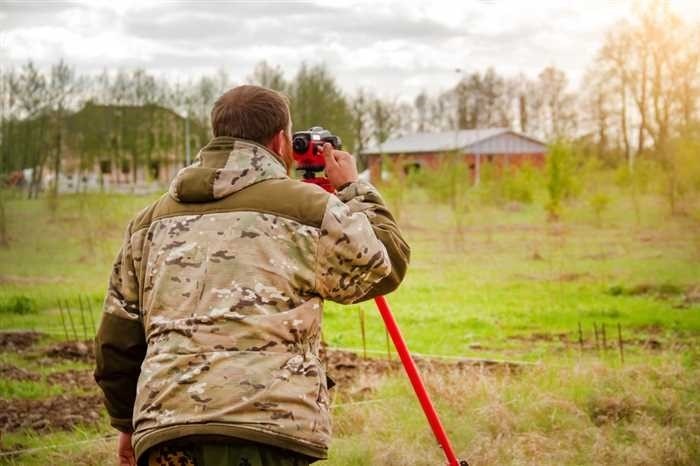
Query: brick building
[{"x": 499, "y": 146}]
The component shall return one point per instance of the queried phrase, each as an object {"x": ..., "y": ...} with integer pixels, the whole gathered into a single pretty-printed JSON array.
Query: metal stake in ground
[
  {"x": 362, "y": 330},
  {"x": 415, "y": 378},
  {"x": 605, "y": 341},
  {"x": 63, "y": 319},
  {"x": 70, "y": 319},
  {"x": 82, "y": 316},
  {"x": 619, "y": 342},
  {"x": 595, "y": 331},
  {"x": 92, "y": 317},
  {"x": 580, "y": 337}
]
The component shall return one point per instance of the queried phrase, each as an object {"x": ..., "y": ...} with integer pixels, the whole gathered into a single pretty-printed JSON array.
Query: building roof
[{"x": 475, "y": 141}]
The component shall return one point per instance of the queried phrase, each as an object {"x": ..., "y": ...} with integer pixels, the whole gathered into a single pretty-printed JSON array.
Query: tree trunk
[
  {"x": 623, "y": 124},
  {"x": 4, "y": 238},
  {"x": 642, "y": 107}
]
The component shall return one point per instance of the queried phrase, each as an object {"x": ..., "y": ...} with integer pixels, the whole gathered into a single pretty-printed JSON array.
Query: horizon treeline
[{"x": 639, "y": 96}]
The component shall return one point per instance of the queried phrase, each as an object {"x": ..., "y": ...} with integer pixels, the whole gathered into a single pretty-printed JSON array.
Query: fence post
[
  {"x": 580, "y": 337},
  {"x": 620, "y": 344},
  {"x": 595, "y": 330},
  {"x": 605, "y": 342}
]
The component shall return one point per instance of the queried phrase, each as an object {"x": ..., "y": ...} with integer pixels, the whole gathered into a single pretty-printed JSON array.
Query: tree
[
  {"x": 268, "y": 76},
  {"x": 421, "y": 104},
  {"x": 557, "y": 104},
  {"x": 63, "y": 88},
  {"x": 317, "y": 100},
  {"x": 359, "y": 109},
  {"x": 30, "y": 91},
  {"x": 385, "y": 118}
]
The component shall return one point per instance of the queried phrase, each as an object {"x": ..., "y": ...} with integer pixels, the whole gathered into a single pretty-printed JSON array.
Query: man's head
[{"x": 257, "y": 114}]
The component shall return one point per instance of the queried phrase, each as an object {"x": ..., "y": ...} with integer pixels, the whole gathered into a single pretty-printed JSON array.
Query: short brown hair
[{"x": 250, "y": 112}]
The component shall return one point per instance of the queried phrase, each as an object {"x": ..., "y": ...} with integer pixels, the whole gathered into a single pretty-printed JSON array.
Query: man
[{"x": 207, "y": 352}]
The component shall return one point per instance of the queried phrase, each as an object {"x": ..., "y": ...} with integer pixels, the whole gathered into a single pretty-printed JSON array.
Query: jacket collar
[{"x": 224, "y": 166}]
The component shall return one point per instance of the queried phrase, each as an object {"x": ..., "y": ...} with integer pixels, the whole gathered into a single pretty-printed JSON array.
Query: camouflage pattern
[
  {"x": 229, "y": 304},
  {"x": 213, "y": 454}
]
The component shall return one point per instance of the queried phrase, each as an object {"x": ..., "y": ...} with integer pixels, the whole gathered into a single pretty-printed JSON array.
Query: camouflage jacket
[{"x": 212, "y": 319}]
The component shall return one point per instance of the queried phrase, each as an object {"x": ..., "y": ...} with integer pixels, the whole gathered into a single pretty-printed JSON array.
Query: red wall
[{"x": 432, "y": 160}]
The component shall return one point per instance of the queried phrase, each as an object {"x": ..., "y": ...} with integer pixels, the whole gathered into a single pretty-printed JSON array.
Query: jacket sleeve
[
  {"x": 120, "y": 344},
  {"x": 361, "y": 253}
]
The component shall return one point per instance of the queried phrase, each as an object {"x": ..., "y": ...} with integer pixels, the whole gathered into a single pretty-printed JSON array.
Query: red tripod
[
  {"x": 408, "y": 363},
  {"x": 417, "y": 382}
]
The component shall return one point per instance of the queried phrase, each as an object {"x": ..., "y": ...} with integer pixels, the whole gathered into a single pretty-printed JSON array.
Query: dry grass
[{"x": 587, "y": 414}]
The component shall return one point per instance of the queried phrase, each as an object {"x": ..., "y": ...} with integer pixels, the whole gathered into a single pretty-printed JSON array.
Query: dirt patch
[
  {"x": 355, "y": 375},
  {"x": 10, "y": 372},
  {"x": 62, "y": 412},
  {"x": 18, "y": 341},
  {"x": 537, "y": 336},
  {"x": 73, "y": 379},
  {"x": 572, "y": 276},
  {"x": 82, "y": 379},
  {"x": 73, "y": 350}
]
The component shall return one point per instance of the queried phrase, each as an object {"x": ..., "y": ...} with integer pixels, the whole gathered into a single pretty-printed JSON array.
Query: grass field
[{"x": 512, "y": 286}]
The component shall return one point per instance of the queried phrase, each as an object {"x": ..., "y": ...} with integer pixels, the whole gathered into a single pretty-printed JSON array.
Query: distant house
[
  {"x": 499, "y": 146},
  {"x": 125, "y": 145},
  {"x": 131, "y": 148}
]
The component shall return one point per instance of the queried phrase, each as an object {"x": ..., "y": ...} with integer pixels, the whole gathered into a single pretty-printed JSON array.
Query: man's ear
[
  {"x": 276, "y": 144},
  {"x": 279, "y": 146}
]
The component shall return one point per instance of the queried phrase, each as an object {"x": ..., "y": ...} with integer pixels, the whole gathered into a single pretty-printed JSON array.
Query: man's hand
[
  {"x": 340, "y": 166},
  {"x": 125, "y": 450}
]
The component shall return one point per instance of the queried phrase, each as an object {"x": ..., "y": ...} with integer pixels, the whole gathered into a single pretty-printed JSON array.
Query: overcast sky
[{"x": 395, "y": 49}]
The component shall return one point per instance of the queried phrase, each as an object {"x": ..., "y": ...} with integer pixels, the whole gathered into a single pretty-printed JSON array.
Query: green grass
[
  {"x": 498, "y": 290},
  {"x": 29, "y": 389},
  {"x": 511, "y": 273}
]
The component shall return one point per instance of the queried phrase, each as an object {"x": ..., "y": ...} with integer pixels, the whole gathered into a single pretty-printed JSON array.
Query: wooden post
[
  {"x": 605, "y": 342},
  {"x": 620, "y": 344},
  {"x": 63, "y": 319},
  {"x": 580, "y": 337},
  {"x": 362, "y": 330},
  {"x": 595, "y": 330}
]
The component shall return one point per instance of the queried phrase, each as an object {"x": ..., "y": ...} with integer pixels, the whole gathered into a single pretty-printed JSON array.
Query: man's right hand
[
  {"x": 340, "y": 166},
  {"x": 125, "y": 450}
]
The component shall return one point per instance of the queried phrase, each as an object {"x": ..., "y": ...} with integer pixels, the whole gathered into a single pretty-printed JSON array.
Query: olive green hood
[{"x": 224, "y": 166}]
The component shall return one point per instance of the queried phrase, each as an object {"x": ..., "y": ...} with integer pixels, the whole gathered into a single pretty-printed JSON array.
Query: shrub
[{"x": 18, "y": 304}]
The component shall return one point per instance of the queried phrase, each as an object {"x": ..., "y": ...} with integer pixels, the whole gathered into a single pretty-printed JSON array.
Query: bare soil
[
  {"x": 61, "y": 412},
  {"x": 355, "y": 378},
  {"x": 10, "y": 372},
  {"x": 18, "y": 341},
  {"x": 73, "y": 350}
]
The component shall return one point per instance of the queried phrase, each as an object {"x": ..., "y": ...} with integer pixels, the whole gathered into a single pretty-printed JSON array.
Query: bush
[
  {"x": 560, "y": 183},
  {"x": 599, "y": 203},
  {"x": 18, "y": 304}
]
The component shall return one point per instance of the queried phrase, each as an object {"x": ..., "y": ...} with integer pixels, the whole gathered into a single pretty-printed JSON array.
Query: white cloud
[{"x": 393, "y": 48}]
